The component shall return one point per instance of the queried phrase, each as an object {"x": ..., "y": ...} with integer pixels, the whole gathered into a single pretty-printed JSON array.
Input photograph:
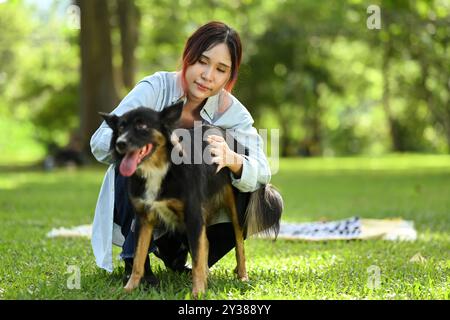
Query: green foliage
[
  {"x": 17, "y": 145},
  {"x": 12, "y": 43},
  {"x": 166, "y": 25},
  {"x": 326, "y": 65},
  {"x": 42, "y": 86},
  {"x": 294, "y": 73},
  {"x": 58, "y": 117},
  {"x": 312, "y": 69},
  {"x": 412, "y": 41}
]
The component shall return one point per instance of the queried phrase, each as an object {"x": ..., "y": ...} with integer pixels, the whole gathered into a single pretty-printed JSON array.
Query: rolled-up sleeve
[
  {"x": 144, "y": 94},
  {"x": 100, "y": 143},
  {"x": 255, "y": 167}
]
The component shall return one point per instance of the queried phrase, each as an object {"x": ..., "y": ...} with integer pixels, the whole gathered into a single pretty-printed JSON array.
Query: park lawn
[{"x": 414, "y": 187}]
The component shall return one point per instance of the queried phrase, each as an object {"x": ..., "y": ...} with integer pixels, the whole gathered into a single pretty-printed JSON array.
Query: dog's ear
[
  {"x": 171, "y": 114},
  {"x": 110, "y": 119}
]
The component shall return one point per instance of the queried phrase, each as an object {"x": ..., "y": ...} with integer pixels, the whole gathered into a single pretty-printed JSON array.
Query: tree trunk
[
  {"x": 394, "y": 132},
  {"x": 316, "y": 131},
  {"x": 447, "y": 135},
  {"x": 312, "y": 143},
  {"x": 97, "y": 82},
  {"x": 129, "y": 19},
  {"x": 440, "y": 115},
  {"x": 284, "y": 134}
]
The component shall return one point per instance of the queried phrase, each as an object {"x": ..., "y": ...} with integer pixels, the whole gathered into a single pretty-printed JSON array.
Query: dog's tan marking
[
  {"x": 200, "y": 265},
  {"x": 145, "y": 234},
  {"x": 170, "y": 211},
  {"x": 159, "y": 157},
  {"x": 238, "y": 232}
]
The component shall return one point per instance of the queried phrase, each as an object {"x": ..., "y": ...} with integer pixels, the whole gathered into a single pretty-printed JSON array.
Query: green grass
[
  {"x": 412, "y": 187},
  {"x": 13, "y": 133}
]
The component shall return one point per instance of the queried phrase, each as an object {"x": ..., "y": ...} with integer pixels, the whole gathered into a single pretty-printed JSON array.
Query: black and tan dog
[{"x": 183, "y": 196}]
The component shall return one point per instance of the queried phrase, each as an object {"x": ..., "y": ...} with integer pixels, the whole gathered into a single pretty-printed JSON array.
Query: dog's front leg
[
  {"x": 198, "y": 243},
  {"x": 200, "y": 265},
  {"x": 241, "y": 269},
  {"x": 140, "y": 255}
]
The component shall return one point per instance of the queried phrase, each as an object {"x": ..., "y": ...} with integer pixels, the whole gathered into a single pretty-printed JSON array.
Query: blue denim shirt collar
[{"x": 210, "y": 107}]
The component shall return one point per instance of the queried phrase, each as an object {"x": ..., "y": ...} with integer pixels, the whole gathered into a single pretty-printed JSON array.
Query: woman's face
[{"x": 209, "y": 74}]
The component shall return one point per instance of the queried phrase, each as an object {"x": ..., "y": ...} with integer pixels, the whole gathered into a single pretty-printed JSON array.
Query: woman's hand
[{"x": 224, "y": 156}]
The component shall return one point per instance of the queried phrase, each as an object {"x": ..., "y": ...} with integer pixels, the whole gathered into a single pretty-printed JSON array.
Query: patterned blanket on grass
[{"x": 352, "y": 228}]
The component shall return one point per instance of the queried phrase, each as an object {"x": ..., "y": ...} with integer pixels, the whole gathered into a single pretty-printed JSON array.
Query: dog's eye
[
  {"x": 121, "y": 128},
  {"x": 141, "y": 126}
]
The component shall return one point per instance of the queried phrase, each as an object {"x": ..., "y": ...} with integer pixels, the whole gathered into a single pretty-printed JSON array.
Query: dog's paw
[
  {"x": 132, "y": 284},
  {"x": 198, "y": 293},
  {"x": 198, "y": 288},
  {"x": 243, "y": 277}
]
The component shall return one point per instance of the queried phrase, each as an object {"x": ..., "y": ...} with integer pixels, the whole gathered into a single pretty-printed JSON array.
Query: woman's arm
[
  {"x": 249, "y": 168},
  {"x": 143, "y": 94},
  {"x": 255, "y": 170}
]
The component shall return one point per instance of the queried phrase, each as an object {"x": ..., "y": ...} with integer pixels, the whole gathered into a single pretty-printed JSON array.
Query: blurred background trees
[{"x": 313, "y": 69}]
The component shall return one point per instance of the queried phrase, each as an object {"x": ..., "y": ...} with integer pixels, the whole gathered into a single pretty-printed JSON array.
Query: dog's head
[{"x": 137, "y": 134}]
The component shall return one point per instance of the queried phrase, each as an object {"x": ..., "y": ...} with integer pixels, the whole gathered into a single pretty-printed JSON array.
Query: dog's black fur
[{"x": 182, "y": 196}]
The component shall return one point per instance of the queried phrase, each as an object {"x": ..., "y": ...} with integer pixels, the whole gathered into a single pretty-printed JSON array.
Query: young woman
[{"x": 211, "y": 61}]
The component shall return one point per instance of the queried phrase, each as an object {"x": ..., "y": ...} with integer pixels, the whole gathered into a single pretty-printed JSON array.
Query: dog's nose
[{"x": 121, "y": 145}]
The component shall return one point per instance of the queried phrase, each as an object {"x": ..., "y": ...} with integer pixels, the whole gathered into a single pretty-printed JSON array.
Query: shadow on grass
[
  {"x": 39, "y": 167},
  {"x": 285, "y": 271},
  {"x": 36, "y": 167},
  {"x": 98, "y": 284}
]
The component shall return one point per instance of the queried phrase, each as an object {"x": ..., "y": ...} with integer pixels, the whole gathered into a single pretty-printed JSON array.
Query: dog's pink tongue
[
  {"x": 131, "y": 160},
  {"x": 129, "y": 163}
]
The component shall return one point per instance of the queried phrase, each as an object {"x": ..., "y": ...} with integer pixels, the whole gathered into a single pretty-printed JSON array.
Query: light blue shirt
[{"x": 156, "y": 92}]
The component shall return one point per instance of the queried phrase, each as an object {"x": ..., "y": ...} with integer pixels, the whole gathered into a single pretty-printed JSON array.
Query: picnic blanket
[
  {"x": 353, "y": 228},
  {"x": 78, "y": 231}
]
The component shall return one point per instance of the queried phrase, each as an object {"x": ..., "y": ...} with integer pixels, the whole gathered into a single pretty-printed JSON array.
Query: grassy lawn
[{"x": 413, "y": 187}]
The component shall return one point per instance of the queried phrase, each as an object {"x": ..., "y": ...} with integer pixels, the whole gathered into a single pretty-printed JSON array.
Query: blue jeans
[{"x": 172, "y": 247}]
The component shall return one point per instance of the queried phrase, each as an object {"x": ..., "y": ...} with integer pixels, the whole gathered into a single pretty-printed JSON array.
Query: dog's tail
[{"x": 264, "y": 211}]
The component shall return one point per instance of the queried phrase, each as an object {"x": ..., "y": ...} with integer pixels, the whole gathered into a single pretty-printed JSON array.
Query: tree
[
  {"x": 286, "y": 76},
  {"x": 413, "y": 32},
  {"x": 129, "y": 21},
  {"x": 98, "y": 92}
]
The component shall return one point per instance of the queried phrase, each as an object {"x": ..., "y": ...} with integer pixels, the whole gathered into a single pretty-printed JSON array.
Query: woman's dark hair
[{"x": 206, "y": 37}]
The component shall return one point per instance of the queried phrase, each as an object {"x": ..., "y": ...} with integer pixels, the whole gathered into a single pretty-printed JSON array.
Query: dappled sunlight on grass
[
  {"x": 19, "y": 148},
  {"x": 67, "y": 177},
  {"x": 388, "y": 162},
  {"x": 9, "y": 184},
  {"x": 317, "y": 189},
  {"x": 431, "y": 236},
  {"x": 32, "y": 202}
]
